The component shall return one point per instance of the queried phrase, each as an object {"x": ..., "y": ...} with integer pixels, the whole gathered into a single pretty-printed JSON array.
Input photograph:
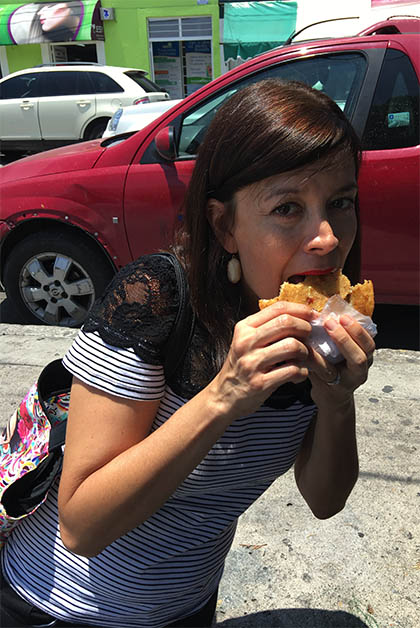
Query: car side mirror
[{"x": 165, "y": 143}]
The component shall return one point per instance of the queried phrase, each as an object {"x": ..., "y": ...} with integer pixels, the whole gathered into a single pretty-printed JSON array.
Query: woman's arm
[
  {"x": 116, "y": 474},
  {"x": 326, "y": 468}
]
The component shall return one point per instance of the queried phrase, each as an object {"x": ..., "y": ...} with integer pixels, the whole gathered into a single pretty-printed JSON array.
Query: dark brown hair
[{"x": 266, "y": 128}]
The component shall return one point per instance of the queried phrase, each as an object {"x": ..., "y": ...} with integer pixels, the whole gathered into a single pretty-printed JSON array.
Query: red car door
[
  {"x": 153, "y": 200},
  {"x": 389, "y": 184}
]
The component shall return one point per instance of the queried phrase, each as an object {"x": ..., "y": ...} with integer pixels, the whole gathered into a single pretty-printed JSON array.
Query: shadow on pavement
[{"x": 296, "y": 618}]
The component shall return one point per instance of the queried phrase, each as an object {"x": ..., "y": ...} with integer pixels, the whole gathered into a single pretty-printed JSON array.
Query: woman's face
[
  {"x": 293, "y": 224},
  {"x": 55, "y": 16}
]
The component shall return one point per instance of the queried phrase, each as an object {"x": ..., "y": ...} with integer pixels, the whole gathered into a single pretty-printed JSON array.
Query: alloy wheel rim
[{"x": 56, "y": 289}]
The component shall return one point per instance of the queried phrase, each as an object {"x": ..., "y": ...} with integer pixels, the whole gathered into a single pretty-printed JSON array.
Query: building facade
[
  {"x": 182, "y": 44},
  {"x": 176, "y": 41}
]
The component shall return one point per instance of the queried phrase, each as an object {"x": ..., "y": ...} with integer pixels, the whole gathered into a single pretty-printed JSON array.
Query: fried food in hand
[{"x": 315, "y": 291}]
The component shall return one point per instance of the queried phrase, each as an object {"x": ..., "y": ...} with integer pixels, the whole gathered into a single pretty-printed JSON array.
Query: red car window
[{"x": 394, "y": 116}]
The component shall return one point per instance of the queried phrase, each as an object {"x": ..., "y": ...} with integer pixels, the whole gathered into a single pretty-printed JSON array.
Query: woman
[
  {"x": 155, "y": 475},
  {"x": 46, "y": 22}
]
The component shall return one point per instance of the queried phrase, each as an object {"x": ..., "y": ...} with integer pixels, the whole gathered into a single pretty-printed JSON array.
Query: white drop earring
[{"x": 234, "y": 270}]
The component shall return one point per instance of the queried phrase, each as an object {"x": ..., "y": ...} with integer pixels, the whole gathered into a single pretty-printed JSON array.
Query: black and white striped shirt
[{"x": 168, "y": 567}]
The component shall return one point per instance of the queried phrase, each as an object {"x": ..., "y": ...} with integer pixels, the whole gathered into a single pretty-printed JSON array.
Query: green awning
[{"x": 250, "y": 28}]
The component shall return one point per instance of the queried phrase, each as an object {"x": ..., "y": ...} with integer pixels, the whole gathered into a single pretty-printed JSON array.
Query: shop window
[
  {"x": 24, "y": 86},
  {"x": 164, "y": 29},
  {"x": 394, "y": 116},
  {"x": 181, "y": 53},
  {"x": 192, "y": 27},
  {"x": 74, "y": 53},
  {"x": 180, "y": 28}
]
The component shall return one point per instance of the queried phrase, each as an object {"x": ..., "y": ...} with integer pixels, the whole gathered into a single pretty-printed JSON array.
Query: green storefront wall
[
  {"x": 130, "y": 28},
  {"x": 126, "y": 38}
]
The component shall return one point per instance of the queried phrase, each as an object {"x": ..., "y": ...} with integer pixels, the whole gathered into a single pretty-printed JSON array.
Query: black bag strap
[
  {"x": 56, "y": 379},
  {"x": 183, "y": 327}
]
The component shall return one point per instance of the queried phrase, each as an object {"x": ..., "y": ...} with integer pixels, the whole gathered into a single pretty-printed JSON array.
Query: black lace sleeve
[{"x": 138, "y": 308}]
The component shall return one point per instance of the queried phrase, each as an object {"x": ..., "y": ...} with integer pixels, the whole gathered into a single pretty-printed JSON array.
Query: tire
[
  {"x": 96, "y": 129},
  {"x": 53, "y": 278}
]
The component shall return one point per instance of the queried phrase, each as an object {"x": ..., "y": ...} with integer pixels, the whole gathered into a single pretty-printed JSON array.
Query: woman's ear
[{"x": 216, "y": 215}]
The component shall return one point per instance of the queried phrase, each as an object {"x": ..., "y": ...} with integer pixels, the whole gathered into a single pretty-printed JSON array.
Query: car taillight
[{"x": 141, "y": 101}]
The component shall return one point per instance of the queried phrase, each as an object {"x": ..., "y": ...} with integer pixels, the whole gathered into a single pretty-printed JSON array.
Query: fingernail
[
  {"x": 345, "y": 320},
  {"x": 331, "y": 324}
]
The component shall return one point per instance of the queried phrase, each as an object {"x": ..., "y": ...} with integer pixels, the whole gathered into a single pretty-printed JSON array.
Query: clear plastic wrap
[{"x": 319, "y": 338}]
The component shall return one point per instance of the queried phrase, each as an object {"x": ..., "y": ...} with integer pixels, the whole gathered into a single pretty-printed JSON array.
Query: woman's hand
[
  {"x": 326, "y": 467},
  {"x": 336, "y": 383},
  {"x": 268, "y": 349}
]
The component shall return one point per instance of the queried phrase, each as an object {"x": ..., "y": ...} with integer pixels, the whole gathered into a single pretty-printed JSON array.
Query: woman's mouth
[{"x": 315, "y": 271}]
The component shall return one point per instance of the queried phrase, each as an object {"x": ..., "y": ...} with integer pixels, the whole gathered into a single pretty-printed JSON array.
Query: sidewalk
[{"x": 287, "y": 569}]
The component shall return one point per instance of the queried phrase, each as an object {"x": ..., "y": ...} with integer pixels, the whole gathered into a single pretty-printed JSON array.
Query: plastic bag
[{"x": 319, "y": 338}]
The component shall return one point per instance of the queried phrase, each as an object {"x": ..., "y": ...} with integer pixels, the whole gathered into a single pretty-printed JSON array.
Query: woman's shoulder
[{"x": 139, "y": 306}]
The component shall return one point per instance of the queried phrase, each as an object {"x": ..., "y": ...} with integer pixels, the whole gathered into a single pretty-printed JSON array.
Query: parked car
[
  {"x": 72, "y": 216},
  {"x": 55, "y": 104},
  {"x": 135, "y": 117}
]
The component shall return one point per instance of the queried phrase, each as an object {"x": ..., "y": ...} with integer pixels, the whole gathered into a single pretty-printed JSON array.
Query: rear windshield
[{"x": 144, "y": 82}]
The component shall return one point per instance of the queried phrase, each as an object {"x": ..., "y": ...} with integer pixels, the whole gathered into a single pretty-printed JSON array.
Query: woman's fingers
[
  {"x": 277, "y": 309},
  {"x": 319, "y": 366},
  {"x": 355, "y": 343},
  {"x": 267, "y": 350},
  {"x": 357, "y": 348},
  {"x": 278, "y": 321}
]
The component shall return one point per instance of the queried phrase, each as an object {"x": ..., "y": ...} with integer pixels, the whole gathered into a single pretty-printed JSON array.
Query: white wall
[{"x": 310, "y": 11}]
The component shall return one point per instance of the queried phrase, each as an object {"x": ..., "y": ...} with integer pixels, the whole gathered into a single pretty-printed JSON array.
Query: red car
[{"x": 71, "y": 217}]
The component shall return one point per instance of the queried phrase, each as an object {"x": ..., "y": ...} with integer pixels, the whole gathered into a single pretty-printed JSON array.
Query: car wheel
[
  {"x": 96, "y": 129},
  {"x": 54, "y": 278}
]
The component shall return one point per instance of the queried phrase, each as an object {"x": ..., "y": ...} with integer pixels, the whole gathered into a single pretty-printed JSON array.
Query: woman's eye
[
  {"x": 343, "y": 203},
  {"x": 286, "y": 209}
]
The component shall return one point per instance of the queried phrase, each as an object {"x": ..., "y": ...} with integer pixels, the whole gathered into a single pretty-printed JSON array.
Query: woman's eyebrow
[
  {"x": 281, "y": 190},
  {"x": 278, "y": 190},
  {"x": 347, "y": 188}
]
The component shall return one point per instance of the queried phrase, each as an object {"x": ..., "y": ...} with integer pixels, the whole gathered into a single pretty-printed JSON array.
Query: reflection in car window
[
  {"x": 104, "y": 84},
  {"x": 195, "y": 124},
  {"x": 62, "y": 83},
  {"x": 394, "y": 116},
  {"x": 143, "y": 81},
  {"x": 23, "y": 86},
  {"x": 339, "y": 75}
]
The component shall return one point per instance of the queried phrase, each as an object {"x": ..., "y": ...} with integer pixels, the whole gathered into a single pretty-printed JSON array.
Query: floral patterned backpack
[{"x": 31, "y": 447}]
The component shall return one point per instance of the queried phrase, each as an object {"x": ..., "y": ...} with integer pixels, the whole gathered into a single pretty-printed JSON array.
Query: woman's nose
[{"x": 323, "y": 240}]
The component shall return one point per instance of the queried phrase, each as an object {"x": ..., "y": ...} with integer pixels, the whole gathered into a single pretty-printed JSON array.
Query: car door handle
[
  {"x": 26, "y": 104},
  {"x": 83, "y": 103}
]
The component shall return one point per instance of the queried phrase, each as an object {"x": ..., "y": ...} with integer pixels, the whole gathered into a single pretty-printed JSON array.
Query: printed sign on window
[
  {"x": 198, "y": 64},
  {"x": 167, "y": 65}
]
